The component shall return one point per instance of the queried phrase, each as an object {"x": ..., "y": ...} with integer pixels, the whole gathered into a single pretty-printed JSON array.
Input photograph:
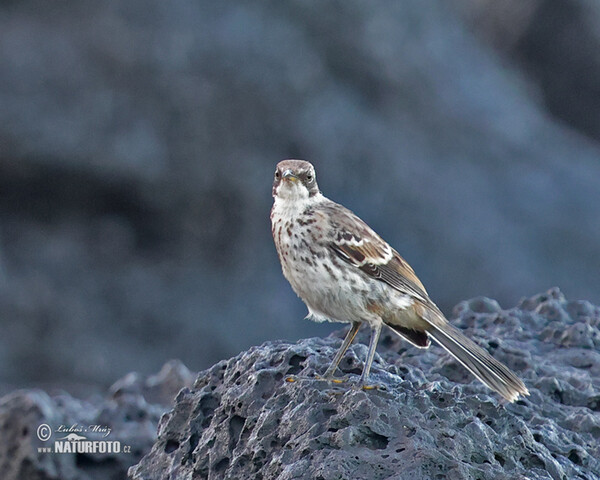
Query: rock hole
[
  {"x": 194, "y": 438},
  {"x": 500, "y": 459},
  {"x": 329, "y": 412},
  {"x": 557, "y": 395},
  {"x": 304, "y": 453},
  {"x": 236, "y": 425},
  {"x": 258, "y": 460},
  {"x": 295, "y": 364},
  {"x": 374, "y": 440},
  {"x": 537, "y": 437},
  {"x": 208, "y": 404},
  {"x": 537, "y": 462},
  {"x": 575, "y": 457},
  {"x": 594, "y": 404},
  {"x": 171, "y": 446},
  {"x": 222, "y": 465},
  {"x": 349, "y": 365}
]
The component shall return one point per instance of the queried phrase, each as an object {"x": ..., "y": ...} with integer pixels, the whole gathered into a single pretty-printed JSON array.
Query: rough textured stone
[
  {"x": 429, "y": 420},
  {"x": 131, "y": 410}
]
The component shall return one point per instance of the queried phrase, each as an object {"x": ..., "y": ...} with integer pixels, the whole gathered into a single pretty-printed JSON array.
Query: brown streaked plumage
[{"x": 345, "y": 272}]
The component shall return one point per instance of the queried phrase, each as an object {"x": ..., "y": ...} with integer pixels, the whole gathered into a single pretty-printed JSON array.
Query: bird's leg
[
  {"x": 340, "y": 353},
  {"x": 375, "y": 331}
]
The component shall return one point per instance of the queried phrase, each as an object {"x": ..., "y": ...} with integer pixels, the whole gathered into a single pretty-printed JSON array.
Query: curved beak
[{"x": 289, "y": 175}]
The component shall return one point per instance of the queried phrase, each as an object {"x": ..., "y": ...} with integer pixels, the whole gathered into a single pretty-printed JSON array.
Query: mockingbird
[{"x": 345, "y": 272}]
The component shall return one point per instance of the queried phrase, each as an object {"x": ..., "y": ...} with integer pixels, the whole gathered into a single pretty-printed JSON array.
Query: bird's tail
[{"x": 480, "y": 363}]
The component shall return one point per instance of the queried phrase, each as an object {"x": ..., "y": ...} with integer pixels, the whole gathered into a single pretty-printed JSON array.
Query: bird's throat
[{"x": 289, "y": 202}]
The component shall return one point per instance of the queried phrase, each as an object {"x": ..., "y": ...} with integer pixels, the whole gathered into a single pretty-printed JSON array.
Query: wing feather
[
  {"x": 395, "y": 272},
  {"x": 357, "y": 244}
]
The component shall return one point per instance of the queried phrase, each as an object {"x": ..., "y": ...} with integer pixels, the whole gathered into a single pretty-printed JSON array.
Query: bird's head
[{"x": 295, "y": 180}]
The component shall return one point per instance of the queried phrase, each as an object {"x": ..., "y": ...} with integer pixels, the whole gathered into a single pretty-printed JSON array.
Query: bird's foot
[
  {"x": 363, "y": 384},
  {"x": 370, "y": 387},
  {"x": 297, "y": 378},
  {"x": 332, "y": 379},
  {"x": 313, "y": 378},
  {"x": 356, "y": 385},
  {"x": 317, "y": 378}
]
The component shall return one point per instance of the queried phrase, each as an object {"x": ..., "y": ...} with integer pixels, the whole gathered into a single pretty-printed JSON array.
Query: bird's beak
[{"x": 289, "y": 175}]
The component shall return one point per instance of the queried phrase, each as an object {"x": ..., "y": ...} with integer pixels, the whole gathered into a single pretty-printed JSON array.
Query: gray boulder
[
  {"x": 131, "y": 410},
  {"x": 428, "y": 419}
]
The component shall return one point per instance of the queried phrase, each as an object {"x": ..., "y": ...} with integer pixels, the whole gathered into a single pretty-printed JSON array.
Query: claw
[
  {"x": 371, "y": 386},
  {"x": 297, "y": 378},
  {"x": 327, "y": 378}
]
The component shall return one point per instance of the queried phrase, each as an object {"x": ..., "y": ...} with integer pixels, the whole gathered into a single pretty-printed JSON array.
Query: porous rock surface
[
  {"x": 428, "y": 420},
  {"x": 131, "y": 409}
]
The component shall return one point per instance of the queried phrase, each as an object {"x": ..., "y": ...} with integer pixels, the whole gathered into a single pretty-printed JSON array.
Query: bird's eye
[
  {"x": 277, "y": 174},
  {"x": 309, "y": 177}
]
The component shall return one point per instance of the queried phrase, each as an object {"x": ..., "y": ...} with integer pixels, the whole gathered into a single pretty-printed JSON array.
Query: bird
[{"x": 345, "y": 272}]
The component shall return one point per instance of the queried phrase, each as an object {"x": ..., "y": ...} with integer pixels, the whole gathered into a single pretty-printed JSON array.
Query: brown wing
[
  {"x": 357, "y": 244},
  {"x": 395, "y": 271}
]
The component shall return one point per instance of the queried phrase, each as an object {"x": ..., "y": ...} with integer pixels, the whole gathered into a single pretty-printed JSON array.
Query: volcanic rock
[{"x": 428, "y": 418}]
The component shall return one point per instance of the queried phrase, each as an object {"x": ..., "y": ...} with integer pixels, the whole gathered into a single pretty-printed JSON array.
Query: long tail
[{"x": 480, "y": 363}]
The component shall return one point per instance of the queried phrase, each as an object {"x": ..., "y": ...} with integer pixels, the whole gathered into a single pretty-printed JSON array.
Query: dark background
[{"x": 138, "y": 141}]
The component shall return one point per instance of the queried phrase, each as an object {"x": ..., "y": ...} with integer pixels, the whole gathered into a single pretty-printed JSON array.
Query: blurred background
[{"x": 138, "y": 141}]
